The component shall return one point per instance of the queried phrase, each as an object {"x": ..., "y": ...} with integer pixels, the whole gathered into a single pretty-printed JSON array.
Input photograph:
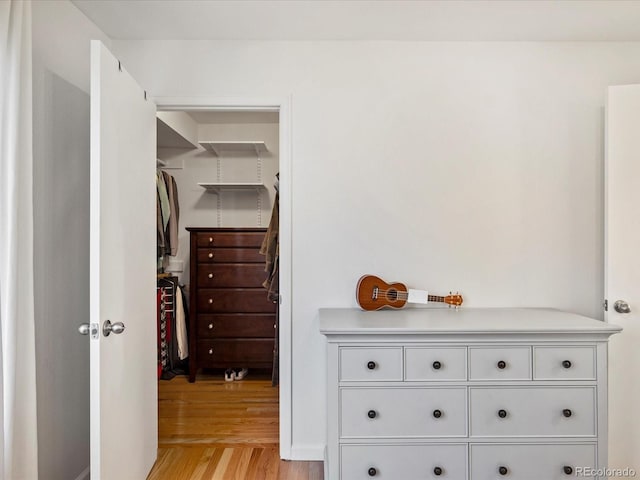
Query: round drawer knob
[
  {"x": 372, "y": 472},
  {"x": 437, "y": 413},
  {"x": 502, "y": 470},
  {"x": 211, "y": 351},
  {"x": 566, "y": 364},
  {"x": 372, "y": 414},
  {"x": 437, "y": 471},
  {"x": 211, "y": 326},
  {"x": 211, "y": 300},
  {"x": 371, "y": 365},
  {"x": 437, "y": 365},
  {"x": 210, "y": 239},
  {"x": 567, "y": 470},
  {"x": 210, "y": 275},
  {"x": 502, "y": 413},
  {"x": 502, "y": 364},
  {"x": 567, "y": 413}
]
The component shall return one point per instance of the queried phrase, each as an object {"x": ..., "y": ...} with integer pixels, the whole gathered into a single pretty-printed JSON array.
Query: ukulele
[{"x": 373, "y": 293}]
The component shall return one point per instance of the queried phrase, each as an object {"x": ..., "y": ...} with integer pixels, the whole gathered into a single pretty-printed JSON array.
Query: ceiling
[{"x": 428, "y": 20}]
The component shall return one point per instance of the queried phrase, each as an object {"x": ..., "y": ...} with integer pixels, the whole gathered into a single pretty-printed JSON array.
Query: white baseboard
[
  {"x": 308, "y": 453},
  {"x": 84, "y": 475}
]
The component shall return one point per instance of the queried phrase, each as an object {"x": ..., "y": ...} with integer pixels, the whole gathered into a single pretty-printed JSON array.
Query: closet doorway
[{"x": 230, "y": 162}]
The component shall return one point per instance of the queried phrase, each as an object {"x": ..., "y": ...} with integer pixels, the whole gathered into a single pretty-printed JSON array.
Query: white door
[
  {"x": 622, "y": 264},
  {"x": 122, "y": 281}
]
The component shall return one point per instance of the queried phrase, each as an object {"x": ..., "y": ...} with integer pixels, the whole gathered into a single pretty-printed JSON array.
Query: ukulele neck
[
  {"x": 435, "y": 298},
  {"x": 422, "y": 296},
  {"x": 418, "y": 296}
]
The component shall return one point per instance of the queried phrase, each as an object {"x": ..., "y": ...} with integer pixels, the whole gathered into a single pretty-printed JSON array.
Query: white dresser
[{"x": 477, "y": 394}]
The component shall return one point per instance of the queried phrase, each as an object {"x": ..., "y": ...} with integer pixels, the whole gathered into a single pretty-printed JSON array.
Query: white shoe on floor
[
  {"x": 229, "y": 375},
  {"x": 240, "y": 373}
]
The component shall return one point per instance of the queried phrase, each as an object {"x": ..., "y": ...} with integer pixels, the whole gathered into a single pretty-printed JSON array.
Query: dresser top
[
  {"x": 448, "y": 321},
  {"x": 226, "y": 229}
]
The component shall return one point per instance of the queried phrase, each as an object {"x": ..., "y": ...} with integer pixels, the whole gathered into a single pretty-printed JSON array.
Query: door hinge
[{"x": 606, "y": 305}]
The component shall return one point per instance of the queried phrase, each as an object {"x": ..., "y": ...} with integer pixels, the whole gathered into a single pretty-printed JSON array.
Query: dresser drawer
[
  {"x": 229, "y": 239},
  {"x": 435, "y": 364},
  {"x": 530, "y": 462},
  {"x": 532, "y": 411},
  {"x": 231, "y": 275},
  {"x": 248, "y": 300},
  {"x": 230, "y": 255},
  {"x": 370, "y": 364},
  {"x": 407, "y": 412},
  {"x": 500, "y": 363},
  {"x": 235, "y": 353},
  {"x": 564, "y": 363},
  {"x": 394, "y": 462},
  {"x": 223, "y": 325}
]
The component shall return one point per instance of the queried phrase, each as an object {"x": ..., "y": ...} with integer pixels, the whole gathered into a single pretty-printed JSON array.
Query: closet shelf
[
  {"x": 242, "y": 186},
  {"x": 218, "y": 147},
  {"x": 169, "y": 137}
]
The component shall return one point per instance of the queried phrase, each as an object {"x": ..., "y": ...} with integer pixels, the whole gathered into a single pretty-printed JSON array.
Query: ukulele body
[{"x": 373, "y": 293}]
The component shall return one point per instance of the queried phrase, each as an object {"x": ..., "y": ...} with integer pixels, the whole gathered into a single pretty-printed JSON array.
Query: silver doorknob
[
  {"x": 89, "y": 328},
  {"x": 621, "y": 306},
  {"x": 109, "y": 327}
]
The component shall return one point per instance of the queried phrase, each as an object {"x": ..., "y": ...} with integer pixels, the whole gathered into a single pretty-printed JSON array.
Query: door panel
[
  {"x": 622, "y": 278},
  {"x": 122, "y": 279}
]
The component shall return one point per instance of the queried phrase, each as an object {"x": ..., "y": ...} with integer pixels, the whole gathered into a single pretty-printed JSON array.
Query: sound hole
[{"x": 392, "y": 295}]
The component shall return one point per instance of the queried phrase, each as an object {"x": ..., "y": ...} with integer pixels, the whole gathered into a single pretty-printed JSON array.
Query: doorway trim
[{"x": 283, "y": 106}]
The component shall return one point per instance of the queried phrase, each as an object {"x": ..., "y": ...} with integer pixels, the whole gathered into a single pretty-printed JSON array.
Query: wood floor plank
[
  {"x": 212, "y": 429},
  {"x": 203, "y": 463},
  {"x": 213, "y": 464}
]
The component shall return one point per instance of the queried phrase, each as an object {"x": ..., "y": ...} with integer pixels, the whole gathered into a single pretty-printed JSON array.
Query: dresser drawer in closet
[
  {"x": 397, "y": 462},
  {"x": 435, "y": 364},
  {"x": 406, "y": 412},
  {"x": 247, "y": 300},
  {"x": 532, "y": 411},
  {"x": 230, "y": 255},
  {"x": 370, "y": 364},
  {"x": 229, "y": 239},
  {"x": 564, "y": 363},
  {"x": 530, "y": 462},
  {"x": 499, "y": 363},
  {"x": 229, "y": 325},
  {"x": 236, "y": 352},
  {"x": 231, "y": 275}
]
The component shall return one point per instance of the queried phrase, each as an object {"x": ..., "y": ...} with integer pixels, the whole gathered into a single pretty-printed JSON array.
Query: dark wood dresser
[{"x": 231, "y": 320}]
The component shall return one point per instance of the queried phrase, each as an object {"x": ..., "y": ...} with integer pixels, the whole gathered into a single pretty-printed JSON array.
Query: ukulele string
[{"x": 405, "y": 295}]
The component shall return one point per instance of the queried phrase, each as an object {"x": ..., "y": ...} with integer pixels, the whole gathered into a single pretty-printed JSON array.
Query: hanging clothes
[
  {"x": 168, "y": 217},
  {"x": 162, "y": 216},
  {"x": 172, "y": 329},
  {"x": 181, "y": 326},
  {"x": 174, "y": 215},
  {"x": 270, "y": 248}
]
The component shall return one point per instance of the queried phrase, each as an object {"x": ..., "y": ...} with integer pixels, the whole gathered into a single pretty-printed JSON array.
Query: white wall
[
  {"x": 468, "y": 166},
  {"x": 199, "y": 208},
  {"x": 61, "y": 37}
]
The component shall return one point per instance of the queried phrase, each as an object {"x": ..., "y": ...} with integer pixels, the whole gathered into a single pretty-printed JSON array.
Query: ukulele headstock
[{"x": 454, "y": 300}]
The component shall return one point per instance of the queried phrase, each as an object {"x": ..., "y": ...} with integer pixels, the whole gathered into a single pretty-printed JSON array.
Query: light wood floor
[{"x": 212, "y": 429}]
